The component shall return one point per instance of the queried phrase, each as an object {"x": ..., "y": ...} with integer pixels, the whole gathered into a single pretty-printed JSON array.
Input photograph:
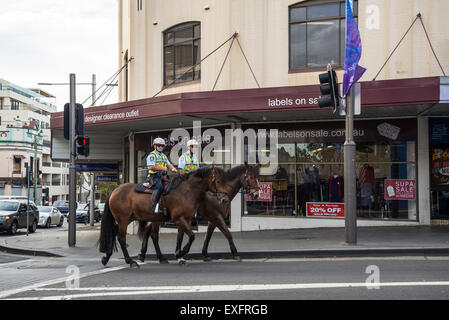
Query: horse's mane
[{"x": 232, "y": 173}]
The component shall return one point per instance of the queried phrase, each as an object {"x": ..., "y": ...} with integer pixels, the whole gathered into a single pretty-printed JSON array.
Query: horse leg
[
  {"x": 224, "y": 229},
  {"x": 210, "y": 230},
  {"x": 179, "y": 242},
  {"x": 122, "y": 240},
  {"x": 187, "y": 230},
  {"x": 155, "y": 238},
  {"x": 144, "y": 248}
]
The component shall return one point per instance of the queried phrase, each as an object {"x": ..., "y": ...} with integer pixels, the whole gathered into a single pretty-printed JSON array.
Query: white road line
[
  {"x": 8, "y": 293},
  {"x": 130, "y": 291},
  {"x": 8, "y": 264}
]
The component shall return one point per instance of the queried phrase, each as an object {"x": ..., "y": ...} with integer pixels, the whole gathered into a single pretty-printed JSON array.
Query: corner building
[{"x": 266, "y": 79}]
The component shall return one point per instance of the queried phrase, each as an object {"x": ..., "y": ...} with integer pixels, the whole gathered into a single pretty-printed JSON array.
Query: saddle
[{"x": 146, "y": 187}]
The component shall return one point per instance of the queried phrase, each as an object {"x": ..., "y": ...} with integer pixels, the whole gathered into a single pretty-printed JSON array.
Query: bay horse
[
  {"x": 243, "y": 176},
  {"x": 124, "y": 205}
]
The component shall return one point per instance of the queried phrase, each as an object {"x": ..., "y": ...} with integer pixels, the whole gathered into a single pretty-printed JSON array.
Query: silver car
[{"x": 49, "y": 216}]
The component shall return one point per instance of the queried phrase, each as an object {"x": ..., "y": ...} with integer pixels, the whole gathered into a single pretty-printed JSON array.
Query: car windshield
[
  {"x": 9, "y": 205},
  {"x": 61, "y": 203},
  {"x": 83, "y": 206},
  {"x": 44, "y": 209}
]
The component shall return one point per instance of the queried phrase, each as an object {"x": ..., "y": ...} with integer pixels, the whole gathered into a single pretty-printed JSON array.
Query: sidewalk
[{"x": 320, "y": 242}]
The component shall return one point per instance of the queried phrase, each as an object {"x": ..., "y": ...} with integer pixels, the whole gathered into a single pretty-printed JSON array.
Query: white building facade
[{"x": 25, "y": 139}]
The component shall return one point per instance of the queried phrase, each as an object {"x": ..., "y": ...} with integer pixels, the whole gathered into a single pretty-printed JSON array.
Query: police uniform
[
  {"x": 188, "y": 162},
  {"x": 158, "y": 160}
]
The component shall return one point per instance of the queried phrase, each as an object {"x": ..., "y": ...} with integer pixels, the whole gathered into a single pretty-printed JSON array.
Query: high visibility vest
[
  {"x": 191, "y": 162},
  {"x": 161, "y": 161}
]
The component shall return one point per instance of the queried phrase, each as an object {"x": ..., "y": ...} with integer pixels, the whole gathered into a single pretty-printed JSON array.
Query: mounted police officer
[
  {"x": 158, "y": 164},
  {"x": 188, "y": 161}
]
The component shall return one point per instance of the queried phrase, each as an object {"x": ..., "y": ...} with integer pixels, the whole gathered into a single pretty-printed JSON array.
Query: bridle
[
  {"x": 248, "y": 188},
  {"x": 217, "y": 193}
]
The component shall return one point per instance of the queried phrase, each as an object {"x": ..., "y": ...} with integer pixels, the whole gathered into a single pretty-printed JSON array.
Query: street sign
[
  {"x": 96, "y": 167},
  {"x": 107, "y": 178}
]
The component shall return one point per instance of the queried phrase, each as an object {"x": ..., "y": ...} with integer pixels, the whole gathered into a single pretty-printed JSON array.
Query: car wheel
[
  {"x": 13, "y": 228},
  {"x": 32, "y": 228},
  {"x": 48, "y": 223},
  {"x": 61, "y": 222}
]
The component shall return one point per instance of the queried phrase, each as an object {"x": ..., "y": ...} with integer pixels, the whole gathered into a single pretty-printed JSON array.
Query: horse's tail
[
  {"x": 141, "y": 230},
  {"x": 108, "y": 231}
]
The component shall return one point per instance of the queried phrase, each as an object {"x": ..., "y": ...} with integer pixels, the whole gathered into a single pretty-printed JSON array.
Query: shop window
[
  {"x": 310, "y": 174},
  {"x": 317, "y": 33},
  {"x": 439, "y": 167},
  {"x": 182, "y": 51}
]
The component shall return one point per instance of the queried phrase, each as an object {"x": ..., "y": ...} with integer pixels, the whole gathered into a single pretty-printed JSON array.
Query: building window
[
  {"x": 317, "y": 33},
  {"x": 17, "y": 164},
  {"x": 182, "y": 51},
  {"x": 14, "y": 105}
]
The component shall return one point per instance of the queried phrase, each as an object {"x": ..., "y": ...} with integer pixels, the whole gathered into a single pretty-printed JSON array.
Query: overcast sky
[{"x": 46, "y": 40}]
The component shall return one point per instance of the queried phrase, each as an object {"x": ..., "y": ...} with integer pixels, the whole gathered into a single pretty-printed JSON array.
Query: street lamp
[{"x": 93, "y": 84}]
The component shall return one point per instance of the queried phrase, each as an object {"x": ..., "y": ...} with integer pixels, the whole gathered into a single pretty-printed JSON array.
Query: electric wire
[
  {"x": 430, "y": 43},
  {"x": 227, "y": 54},
  {"x": 109, "y": 80},
  {"x": 418, "y": 16},
  {"x": 247, "y": 62}
]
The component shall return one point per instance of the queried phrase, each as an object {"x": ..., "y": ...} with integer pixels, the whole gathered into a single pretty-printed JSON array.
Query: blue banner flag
[{"x": 353, "y": 72}]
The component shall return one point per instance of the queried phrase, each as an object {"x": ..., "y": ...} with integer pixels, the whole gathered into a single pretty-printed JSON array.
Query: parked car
[
  {"x": 83, "y": 214},
  {"x": 50, "y": 216},
  {"x": 13, "y": 216},
  {"x": 62, "y": 206},
  {"x": 101, "y": 207}
]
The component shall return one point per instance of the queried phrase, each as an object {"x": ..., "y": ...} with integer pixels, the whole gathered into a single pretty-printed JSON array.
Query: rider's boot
[{"x": 155, "y": 200}]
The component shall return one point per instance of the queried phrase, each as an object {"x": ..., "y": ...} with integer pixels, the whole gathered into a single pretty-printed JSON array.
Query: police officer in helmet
[
  {"x": 188, "y": 162},
  {"x": 158, "y": 164}
]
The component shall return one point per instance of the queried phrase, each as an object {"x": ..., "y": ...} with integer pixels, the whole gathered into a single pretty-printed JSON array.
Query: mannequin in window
[
  {"x": 312, "y": 184},
  {"x": 367, "y": 185},
  {"x": 336, "y": 188}
]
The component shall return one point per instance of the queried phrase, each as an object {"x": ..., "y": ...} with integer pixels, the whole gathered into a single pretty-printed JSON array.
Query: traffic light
[
  {"x": 45, "y": 195},
  {"x": 79, "y": 120},
  {"x": 29, "y": 178},
  {"x": 82, "y": 145},
  {"x": 329, "y": 88}
]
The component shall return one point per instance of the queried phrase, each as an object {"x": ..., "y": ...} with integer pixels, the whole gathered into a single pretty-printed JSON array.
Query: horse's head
[
  {"x": 250, "y": 182},
  {"x": 217, "y": 186}
]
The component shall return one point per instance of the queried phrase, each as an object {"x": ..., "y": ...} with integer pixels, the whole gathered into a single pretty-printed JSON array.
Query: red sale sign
[
  {"x": 400, "y": 189},
  {"x": 325, "y": 209},
  {"x": 265, "y": 193}
]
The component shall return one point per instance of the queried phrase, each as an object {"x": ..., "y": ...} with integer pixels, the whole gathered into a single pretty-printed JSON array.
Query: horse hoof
[
  {"x": 182, "y": 261},
  {"x": 207, "y": 259},
  {"x": 133, "y": 265},
  {"x": 163, "y": 261},
  {"x": 142, "y": 258},
  {"x": 104, "y": 261}
]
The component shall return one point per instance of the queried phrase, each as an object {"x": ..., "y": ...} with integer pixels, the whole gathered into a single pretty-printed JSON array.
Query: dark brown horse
[
  {"x": 211, "y": 209},
  {"x": 124, "y": 205}
]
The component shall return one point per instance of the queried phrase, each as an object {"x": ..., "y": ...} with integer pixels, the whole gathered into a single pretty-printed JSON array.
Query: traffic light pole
[
  {"x": 92, "y": 198},
  {"x": 349, "y": 175},
  {"x": 72, "y": 170}
]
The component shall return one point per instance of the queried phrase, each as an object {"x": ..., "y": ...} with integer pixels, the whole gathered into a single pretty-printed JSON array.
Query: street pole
[
  {"x": 72, "y": 170},
  {"x": 94, "y": 88},
  {"x": 35, "y": 170},
  {"x": 350, "y": 178},
  {"x": 28, "y": 196},
  {"x": 92, "y": 197}
]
